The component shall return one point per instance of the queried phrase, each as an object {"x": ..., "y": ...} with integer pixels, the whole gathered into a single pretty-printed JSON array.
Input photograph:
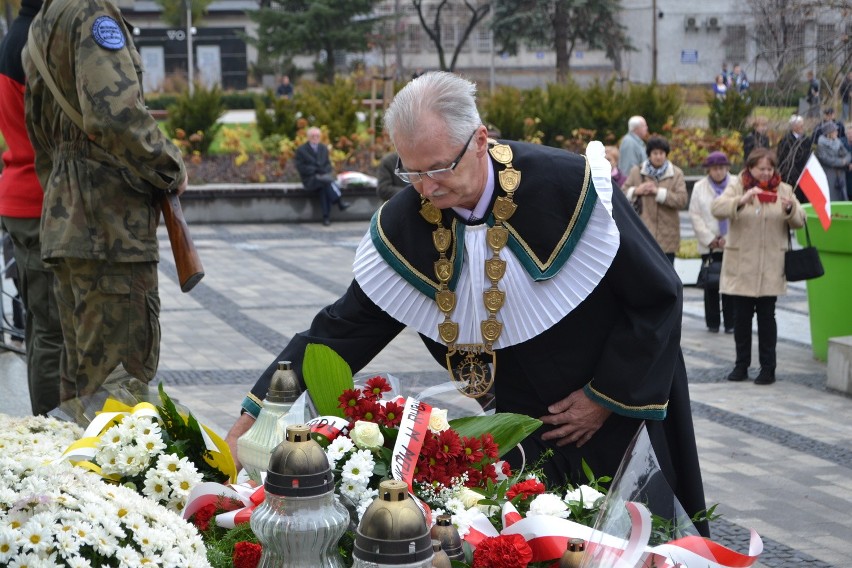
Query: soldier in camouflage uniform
[{"x": 102, "y": 187}]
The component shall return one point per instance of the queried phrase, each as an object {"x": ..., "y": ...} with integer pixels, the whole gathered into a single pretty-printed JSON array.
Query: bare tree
[
  {"x": 779, "y": 28},
  {"x": 476, "y": 12}
]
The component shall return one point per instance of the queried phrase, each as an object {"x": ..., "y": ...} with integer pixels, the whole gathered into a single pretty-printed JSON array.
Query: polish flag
[{"x": 815, "y": 186}]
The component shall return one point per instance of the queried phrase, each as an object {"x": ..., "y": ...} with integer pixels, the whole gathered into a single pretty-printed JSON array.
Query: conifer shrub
[{"x": 196, "y": 116}]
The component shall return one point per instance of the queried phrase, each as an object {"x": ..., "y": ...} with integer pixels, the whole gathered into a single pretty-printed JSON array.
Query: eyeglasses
[{"x": 439, "y": 174}]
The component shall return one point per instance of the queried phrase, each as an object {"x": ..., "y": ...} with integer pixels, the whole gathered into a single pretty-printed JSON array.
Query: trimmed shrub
[
  {"x": 192, "y": 118},
  {"x": 729, "y": 113}
]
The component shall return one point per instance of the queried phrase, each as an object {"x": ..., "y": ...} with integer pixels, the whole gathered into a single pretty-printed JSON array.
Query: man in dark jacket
[
  {"x": 793, "y": 153},
  {"x": 315, "y": 170}
]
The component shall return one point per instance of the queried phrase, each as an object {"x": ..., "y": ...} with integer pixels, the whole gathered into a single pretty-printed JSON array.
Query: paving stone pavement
[{"x": 776, "y": 458}]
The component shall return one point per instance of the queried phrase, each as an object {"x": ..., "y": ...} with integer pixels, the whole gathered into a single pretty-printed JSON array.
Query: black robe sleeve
[
  {"x": 634, "y": 374},
  {"x": 355, "y": 327}
]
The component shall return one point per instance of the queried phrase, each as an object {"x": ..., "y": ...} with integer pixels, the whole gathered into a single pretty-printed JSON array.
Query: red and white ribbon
[
  {"x": 208, "y": 493},
  {"x": 548, "y": 538}
]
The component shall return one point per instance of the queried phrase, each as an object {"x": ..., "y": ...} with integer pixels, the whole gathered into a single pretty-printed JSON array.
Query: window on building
[
  {"x": 735, "y": 43},
  {"x": 796, "y": 45},
  {"x": 825, "y": 44},
  {"x": 483, "y": 38},
  {"x": 413, "y": 34}
]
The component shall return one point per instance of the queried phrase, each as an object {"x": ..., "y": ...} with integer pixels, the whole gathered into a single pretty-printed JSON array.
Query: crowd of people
[{"x": 727, "y": 81}]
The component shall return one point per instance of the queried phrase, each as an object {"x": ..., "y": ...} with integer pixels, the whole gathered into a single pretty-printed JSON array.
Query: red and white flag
[{"x": 815, "y": 186}]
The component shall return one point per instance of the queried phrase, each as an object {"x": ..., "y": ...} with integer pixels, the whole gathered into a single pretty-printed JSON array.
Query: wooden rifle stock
[{"x": 189, "y": 269}]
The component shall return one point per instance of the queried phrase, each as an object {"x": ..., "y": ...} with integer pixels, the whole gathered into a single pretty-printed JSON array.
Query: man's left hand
[{"x": 577, "y": 419}]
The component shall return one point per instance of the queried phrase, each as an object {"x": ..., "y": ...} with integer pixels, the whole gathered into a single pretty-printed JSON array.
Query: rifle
[{"x": 189, "y": 269}]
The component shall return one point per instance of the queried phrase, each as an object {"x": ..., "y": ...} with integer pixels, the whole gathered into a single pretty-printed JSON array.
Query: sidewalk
[{"x": 777, "y": 459}]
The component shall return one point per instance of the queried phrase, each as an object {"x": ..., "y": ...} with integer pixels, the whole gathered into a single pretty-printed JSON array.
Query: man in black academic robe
[{"x": 604, "y": 357}]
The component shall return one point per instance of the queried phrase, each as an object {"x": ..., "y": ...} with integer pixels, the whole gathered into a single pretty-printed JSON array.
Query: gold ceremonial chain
[{"x": 471, "y": 373}]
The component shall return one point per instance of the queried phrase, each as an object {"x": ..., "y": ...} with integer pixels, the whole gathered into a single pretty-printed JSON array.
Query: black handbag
[
  {"x": 710, "y": 273},
  {"x": 802, "y": 264}
]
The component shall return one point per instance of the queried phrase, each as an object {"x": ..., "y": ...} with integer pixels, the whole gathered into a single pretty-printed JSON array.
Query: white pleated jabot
[{"x": 531, "y": 307}]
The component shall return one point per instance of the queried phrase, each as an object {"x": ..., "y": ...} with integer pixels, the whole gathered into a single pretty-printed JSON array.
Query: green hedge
[{"x": 558, "y": 113}]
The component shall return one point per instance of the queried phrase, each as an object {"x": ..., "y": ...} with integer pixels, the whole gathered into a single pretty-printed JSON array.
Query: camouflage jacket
[{"x": 101, "y": 186}]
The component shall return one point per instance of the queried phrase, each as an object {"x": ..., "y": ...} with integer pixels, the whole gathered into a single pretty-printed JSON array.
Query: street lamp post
[{"x": 190, "y": 69}]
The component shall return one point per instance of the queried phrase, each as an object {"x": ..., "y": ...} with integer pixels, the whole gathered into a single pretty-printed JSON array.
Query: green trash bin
[{"x": 830, "y": 296}]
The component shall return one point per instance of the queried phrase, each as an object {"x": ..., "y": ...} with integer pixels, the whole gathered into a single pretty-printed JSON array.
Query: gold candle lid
[{"x": 298, "y": 466}]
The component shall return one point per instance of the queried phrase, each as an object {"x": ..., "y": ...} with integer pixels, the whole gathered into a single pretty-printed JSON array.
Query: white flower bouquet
[{"x": 54, "y": 514}]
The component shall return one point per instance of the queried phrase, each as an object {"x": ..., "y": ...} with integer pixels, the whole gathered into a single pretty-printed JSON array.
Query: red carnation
[
  {"x": 247, "y": 554},
  {"x": 202, "y": 516},
  {"x": 526, "y": 488},
  {"x": 349, "y": 401},
  {"x": 391, "y": 414},
  {"x": 504, "y": 551},
  {"x": 375, "y": 387}
]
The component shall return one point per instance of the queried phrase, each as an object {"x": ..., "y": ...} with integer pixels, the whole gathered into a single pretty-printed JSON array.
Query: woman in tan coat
[
  {"x": 761, "y": 210},
  {"x": 657, "y": 190}
]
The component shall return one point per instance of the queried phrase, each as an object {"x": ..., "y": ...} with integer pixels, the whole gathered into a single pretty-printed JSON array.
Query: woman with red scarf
[{"x": 761, "y": 210}]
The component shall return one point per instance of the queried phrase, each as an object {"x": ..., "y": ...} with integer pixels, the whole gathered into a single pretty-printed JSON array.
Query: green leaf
[
  {"x": 508, "y": 429},
  {"x": 326, "y": 375}
]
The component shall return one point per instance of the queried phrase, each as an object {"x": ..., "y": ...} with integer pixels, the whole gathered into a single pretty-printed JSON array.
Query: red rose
[
  {"x": 526, "y": 488},
  {"x": 202, "y": 516},
  {"x": 247, "y": 554},
  {"x": 504, "y": 551}
]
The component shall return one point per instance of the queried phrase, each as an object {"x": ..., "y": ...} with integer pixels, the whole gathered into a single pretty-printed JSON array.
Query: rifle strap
[{"x": 38, "y": 58}]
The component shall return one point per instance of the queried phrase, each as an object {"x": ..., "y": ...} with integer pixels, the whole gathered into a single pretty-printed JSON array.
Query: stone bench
[
  {"x": 270, "y": 203},
  {"x": 840, "y": 364}
]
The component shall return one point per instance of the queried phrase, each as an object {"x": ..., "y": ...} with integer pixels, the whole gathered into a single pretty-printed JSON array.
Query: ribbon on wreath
[
  {"x": 548, "y": 537},
  {"x": 211, "y": 493},
  {"x": 81, "y": 452}
]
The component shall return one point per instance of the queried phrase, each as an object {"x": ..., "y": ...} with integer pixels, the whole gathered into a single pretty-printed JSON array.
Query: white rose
[
  {"x": 548, "y": 504},
  {"x": 438, "y": 420},
  {"x": 366, "y": 435},
  {"x": 469, "y": 497}
]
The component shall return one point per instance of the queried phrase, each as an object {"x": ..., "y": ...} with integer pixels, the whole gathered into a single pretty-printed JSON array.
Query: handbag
[
  {"x": 708, "y": 276},
  {"x": 802, "y": 264}
]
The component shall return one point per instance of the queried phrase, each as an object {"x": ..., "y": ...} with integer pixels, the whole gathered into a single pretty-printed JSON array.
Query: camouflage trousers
[
  {"x": 110, "y": 319},
  {"x": 43, "y": 336}
]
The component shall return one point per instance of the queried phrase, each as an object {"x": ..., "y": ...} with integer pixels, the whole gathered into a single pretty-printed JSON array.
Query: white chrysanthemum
[
  {"x": 132, "y": 460},
  {"x": 156, "y": 486},
  {"x": 586, "y": 494},
  {"x": 168, "y": 462},
  {"x": 79, "y": 562},
  {"x": 127, "y": 556},
  {"x": 548, "y": 504},
  {"x": 28, "y": 560},
  {"x": 455, "y": 505},
  {"x": 359, "y": 467},
  {"x": 338, "y": 449},
  {"x": 352, "y": 490},
  {"x": 9, "y": 546},
  {"x": 36, "y": 537},
  {"x": 184, "y": 480},
  {"x": 112, "y": 439},
  {"x": 108, "y": 458},
  {"x": 152, "y": 443},
  {"x": 463, "y": 519},
  {"x": 105, "y": 543},
  {"x": 66, "y": 544}
]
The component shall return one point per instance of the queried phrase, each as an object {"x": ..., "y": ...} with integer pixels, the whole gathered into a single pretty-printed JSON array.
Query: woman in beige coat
[
  {"x": 657, "y": 190},
  {"x": 761, "y": 210},
  {"x": 711, "y": 233}
]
